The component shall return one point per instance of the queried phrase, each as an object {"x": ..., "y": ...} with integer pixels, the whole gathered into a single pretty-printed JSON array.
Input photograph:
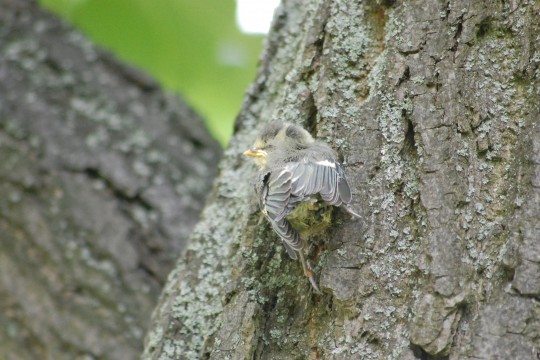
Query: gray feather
[
  {"x": 298, "y": 169},
  {"x": 289, "y": 236},
  {"x": 285, "y": 187}
]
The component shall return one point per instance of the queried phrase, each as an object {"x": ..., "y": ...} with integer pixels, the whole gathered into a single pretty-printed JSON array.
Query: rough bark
[
  {"x": 102, "y": 177},
  {"x": 434, "y": 107}
]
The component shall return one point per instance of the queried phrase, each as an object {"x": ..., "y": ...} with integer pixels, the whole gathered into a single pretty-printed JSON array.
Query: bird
[{"x": 296, "y": 172}]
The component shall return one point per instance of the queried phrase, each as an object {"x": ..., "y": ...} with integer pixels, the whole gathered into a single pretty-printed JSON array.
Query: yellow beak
[{"x": 253, "y": 152}]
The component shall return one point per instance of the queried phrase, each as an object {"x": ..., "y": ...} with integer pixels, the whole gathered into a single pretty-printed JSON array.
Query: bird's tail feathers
[{"x": 351, "y": 212}]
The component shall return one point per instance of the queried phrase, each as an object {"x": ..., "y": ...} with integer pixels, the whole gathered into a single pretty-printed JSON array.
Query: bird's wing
[
  {"x": 289, "y": 236},
  {"x": 325, "y": 178},
  {"x": 296, "y": 182},
  {"x": 275, "y": 195},
  {"x": 276, "y": 192},
  {"x": 285, "y": 187}
]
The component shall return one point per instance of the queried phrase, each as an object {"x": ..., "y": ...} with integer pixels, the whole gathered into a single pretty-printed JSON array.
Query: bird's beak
[{"x": 254, "y": 152}]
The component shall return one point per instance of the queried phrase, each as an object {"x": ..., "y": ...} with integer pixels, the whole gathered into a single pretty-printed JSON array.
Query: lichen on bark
[{"x": 433, "y": 107}]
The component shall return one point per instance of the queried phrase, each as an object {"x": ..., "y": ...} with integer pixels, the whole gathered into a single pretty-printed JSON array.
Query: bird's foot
[
  {"x": 308, "y": 272},
  {"x": 311, "y": 276}
]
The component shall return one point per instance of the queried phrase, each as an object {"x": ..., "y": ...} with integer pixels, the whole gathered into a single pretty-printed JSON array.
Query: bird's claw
[
  {"x": 311, "y": 276},
  {"x": 308, "y": 272}
]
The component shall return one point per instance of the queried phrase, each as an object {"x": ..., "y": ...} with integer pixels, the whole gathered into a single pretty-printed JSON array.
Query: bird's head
[{"x": 278, "y": 138}]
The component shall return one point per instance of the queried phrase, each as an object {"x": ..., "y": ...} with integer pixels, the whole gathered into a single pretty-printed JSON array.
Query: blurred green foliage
[{"x": 192, "y": 47}]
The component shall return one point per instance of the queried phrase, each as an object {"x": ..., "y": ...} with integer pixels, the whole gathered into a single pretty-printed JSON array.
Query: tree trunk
[
  {"x": 434, "y": 108},
  {"x": 102, "y": 178}
]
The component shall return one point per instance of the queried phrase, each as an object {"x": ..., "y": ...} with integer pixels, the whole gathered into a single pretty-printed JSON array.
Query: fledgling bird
[{"x": 294, "y": 169}]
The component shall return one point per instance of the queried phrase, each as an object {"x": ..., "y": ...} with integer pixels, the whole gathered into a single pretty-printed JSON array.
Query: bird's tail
[{"x": 351, "y": 212}]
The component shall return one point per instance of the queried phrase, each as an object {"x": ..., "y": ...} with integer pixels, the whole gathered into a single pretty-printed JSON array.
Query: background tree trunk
[
  {"x": 102, "y": 178},
  {"x": 434, "y": 107}
]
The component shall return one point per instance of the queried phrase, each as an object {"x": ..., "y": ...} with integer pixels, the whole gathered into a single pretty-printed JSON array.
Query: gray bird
[{"x": 295, "y": 170}]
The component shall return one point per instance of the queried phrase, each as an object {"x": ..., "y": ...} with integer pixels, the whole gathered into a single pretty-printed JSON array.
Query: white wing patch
[{"x": 326, "y": 163}]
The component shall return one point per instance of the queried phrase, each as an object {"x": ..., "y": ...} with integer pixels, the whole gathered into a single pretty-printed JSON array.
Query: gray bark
[
  {"x": 102, "y": 177},
  {"x": 434, "y": 108}
]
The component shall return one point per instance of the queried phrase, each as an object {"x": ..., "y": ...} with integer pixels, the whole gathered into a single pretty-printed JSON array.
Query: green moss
[{"x": 311, "y": 219}]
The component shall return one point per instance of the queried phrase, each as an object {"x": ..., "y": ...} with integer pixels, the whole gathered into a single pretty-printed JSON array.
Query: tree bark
[
  {"x": 102, "y": 177},
  {"x": 434, "y": 108}
]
